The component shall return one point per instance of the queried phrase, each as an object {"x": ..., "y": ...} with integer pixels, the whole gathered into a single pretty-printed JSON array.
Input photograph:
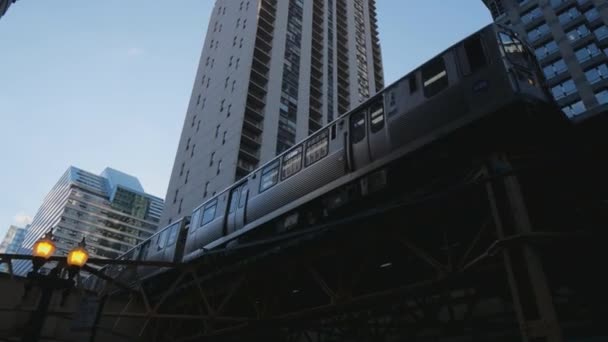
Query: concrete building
[
  {"x": 111, "y": 211},
  {"x": 570, "y": 38},
  {"x": 13, "y": 239},
  {"x": 271, "y": 73},
  {"x": 4, "y": 5}
]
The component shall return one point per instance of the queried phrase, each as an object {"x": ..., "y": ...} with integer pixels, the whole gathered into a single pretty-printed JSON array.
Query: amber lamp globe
[
  {"x": 78, "y": 257},
  {"x": 43, "y": 248}
]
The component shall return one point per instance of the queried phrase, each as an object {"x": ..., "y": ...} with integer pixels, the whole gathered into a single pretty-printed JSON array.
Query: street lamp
[
  {"x": 42, "y": 250},
  {"x": 77, "y": 258}
]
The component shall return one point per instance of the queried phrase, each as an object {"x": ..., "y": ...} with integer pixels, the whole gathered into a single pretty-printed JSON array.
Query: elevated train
[{"x": 487, "y": 77}]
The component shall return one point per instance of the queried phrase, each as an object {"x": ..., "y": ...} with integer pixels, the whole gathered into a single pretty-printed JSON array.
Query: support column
[{"x": 532, "y": 298}]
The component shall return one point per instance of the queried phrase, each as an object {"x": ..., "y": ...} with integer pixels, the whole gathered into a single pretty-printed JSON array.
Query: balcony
[
  {"x": 245, "y": 167},
  {"x": 249, "y": 154},
  {"x": 252, "y": 125},
  {"x": 256, "y": 113},
  {"x": 261, "y": 55}
]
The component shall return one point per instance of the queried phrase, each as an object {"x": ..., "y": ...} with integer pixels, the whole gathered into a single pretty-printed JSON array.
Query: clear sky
[{"x": 107, "y": 83}]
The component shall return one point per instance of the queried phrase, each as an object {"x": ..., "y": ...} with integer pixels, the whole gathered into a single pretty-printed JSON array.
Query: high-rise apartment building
[
  {"x": 11, "y": 244},
  {"x": 570, "y": 38},
  {"x": 13, "y": 239},
  {"x": 271, "y": 73},
  {"x": 111, "y": 211}
]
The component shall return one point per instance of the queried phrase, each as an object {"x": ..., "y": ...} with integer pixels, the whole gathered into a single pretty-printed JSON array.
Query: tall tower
[
  {"x": 271, "y": 72},
  {"x": 111, "y": 211},
  {"x": 570, "y": 38}
]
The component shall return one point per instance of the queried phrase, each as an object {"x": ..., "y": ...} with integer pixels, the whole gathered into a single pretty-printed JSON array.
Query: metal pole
[{"x": 529, "y": 287}]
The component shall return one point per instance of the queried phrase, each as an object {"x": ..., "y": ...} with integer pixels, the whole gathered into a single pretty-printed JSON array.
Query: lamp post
[{"x": 42, "y": 250}]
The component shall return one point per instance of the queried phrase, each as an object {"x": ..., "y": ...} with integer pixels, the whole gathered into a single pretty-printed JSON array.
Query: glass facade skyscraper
[
  {"x": 111, "y": 211},
  {"x": 570, "y": 38},
  {"x": 271, "y": 73}
]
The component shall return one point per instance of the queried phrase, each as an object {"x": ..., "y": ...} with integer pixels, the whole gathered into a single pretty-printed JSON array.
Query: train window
[
  {"x": 474, "y": 50},
  {"x": 172, "y": 234},
  {"x": 160, "y": 240},
  {"x": 243, "y": 197},
  {"x": 357, "y": 127},
  {"x": 234, "y": 199},
  {"x": 270, "y": 176},
  {"x": 377, "y": 115},
  {"x": 194, "y": 221},
  {"x": 434, "y": 77},
  {"x": 514, "y": 49},
  {"x": 209, "y": 213},
  {"x": 292, "y": 163},
  {"x": 413, "y": 84},
  {"x": 317, "y": 148}
]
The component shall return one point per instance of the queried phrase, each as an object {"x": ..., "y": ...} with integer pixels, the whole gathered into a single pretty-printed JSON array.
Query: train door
[
  {"x": 378, "y": 132},
  {"x": 359, "y": 144},
  {"x": 235, "y": 219}
]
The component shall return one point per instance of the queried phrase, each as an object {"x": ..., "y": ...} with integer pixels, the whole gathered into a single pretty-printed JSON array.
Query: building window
[
  {"x": 206, "y": 189},
  {"x": 578, "y": 33},
  {"x": 597, "y": 73},
  {"x": 586, "y": 53},
  {"x": 592, "y": 14},
  {"x": 188, "y": 144},
  {"x": 226, "y": 82},
  {"x": 532, "y": 14},
  {"x": 538, "y": 32},
  {"x": 187, "y": 175},
  {"x": 198, "y": 125},
  {"x": 222, "y": 105},
  {"x": 219, "y": 167},
  {"x": 601, "y": 32},
  {"x": 193, "y": 120},
  {"x": 229, "y": 110},
  {"x": 568, "y": 15},
  {"x": 602, "y": 96},
  {"x": 211, "y": 158},
  {"x": 181, "y": 170},
  {"x": 198, "y": 99},
  {"x": 217, "y": 131},
  {"x": 179, "y": 209},
  {"x": 555, "y": 68},
  {"x": 233, "y": 86},
  {"x": 192, "y": 152},
  {"x": 238, "y": 60},
  {"x": 574, "y": 109},
  {"x": 175, "y": 196},
  {"x": 224, "y": 138},
  {"x": 546, "y": 50},
  {"x": 564, "y": 89}
]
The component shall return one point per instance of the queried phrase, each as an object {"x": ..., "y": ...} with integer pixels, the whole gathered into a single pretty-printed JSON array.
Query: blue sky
[{"x": 106, "y": 83}]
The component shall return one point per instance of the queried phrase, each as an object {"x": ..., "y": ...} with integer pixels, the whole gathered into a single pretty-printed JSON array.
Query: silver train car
[{"x": 487, "y": 77}]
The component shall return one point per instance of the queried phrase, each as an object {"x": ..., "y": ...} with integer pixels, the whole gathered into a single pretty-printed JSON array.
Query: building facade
[
  {"x": 570, "y": 38},
  {"x": 271, "y": 73},
  {"x": 13, "y": 239},
  {"x": 111, "y": 211}
]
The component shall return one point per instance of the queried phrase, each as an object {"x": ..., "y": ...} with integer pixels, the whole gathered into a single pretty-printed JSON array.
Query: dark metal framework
[{"x": 501, "y": 249}]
